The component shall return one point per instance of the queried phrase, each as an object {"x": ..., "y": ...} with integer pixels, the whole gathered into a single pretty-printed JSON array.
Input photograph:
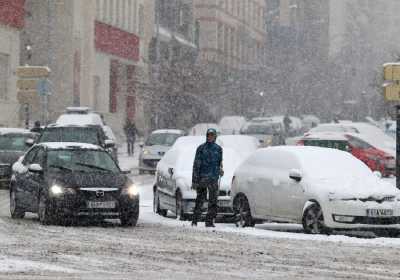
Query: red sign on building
[
  {"x": 12, "y": 13},
  {"x": 114, "y": 41}
]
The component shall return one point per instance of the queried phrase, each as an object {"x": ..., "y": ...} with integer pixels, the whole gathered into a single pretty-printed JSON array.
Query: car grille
[
  {"x": 5, "y": 170},
  {"x": 379, "y": 200},
  {"x": 151, "y": 162},
  {"x": 376, "y": 221}
]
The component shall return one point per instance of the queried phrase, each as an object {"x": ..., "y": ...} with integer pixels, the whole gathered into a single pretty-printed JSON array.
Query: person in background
[
  {"x": 287, "y": 122},
  {"x": 37, "y": 127},
  {"x": 130, "y": 133},
  {"x": 207, "y": 169}
]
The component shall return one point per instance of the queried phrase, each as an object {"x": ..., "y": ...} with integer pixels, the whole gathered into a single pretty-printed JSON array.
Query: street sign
[
  {"x": 391, "y": 71},
  {"x": 43, "y": 87},
  {"x": 392, "y": 92},
  {"x": 27, "y": 84},
  {"x": 27, "y": 97},
  {"x": 33, "y": 71}
]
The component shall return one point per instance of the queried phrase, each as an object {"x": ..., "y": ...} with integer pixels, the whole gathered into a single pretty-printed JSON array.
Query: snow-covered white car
[
  {"x": 231, "y": 125},
  {"x": 172, "y": 189},
  {"x": 268, "y": 133},
  {"x": 321, "y": 188},
  {"x": 200, "y": 129},
  {"x": 155, "y": 146}
]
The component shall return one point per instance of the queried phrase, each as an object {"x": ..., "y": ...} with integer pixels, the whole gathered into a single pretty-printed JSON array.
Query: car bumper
[
  {"x": 148, "y": 164},
  {"x": 224, "y": 206},
  {"x": 78, "y": 206},
  {"x": 353, "y": 215}
]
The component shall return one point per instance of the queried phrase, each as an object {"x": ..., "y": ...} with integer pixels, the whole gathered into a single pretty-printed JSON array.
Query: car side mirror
[
  {"x": 29, "y": 142},
  {"x": 35, "y": 168},
  {"x": 109, "y": 143},
  {"x": 171, "y": 171},
  {"x": 141, "y": 145},
  {"x": 295, "y": 174}
]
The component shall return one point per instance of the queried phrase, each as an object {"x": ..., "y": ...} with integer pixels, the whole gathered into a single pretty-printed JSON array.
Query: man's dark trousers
[{"x": 212, "y": 187}]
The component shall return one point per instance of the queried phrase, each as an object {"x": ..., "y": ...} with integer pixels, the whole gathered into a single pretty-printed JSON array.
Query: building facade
[
  {"x": 97, "y": 51},
  {"x": 12, "y": 15}
]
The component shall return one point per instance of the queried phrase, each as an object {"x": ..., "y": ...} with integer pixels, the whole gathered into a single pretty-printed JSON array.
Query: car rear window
[{"x": 13, "y": 142}]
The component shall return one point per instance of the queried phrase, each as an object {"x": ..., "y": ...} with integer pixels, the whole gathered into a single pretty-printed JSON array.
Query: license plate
[
  {"x": 224, "y": 203},
  {"x": 101, "y": 204},
  {"x": 379, "y": 212}
]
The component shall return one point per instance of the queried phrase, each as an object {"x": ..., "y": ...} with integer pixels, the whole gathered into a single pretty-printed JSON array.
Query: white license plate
[
  {"x": 379, "y": 212},
  {"x": 224, "y": 203},
  {"x": 101, "y": 204}
]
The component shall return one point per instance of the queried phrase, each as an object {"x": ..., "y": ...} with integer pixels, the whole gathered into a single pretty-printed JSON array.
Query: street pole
[{"x": 398, "y": 146}]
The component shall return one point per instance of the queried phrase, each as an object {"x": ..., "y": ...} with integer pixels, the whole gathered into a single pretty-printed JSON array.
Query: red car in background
[{"x": 376, "y": 159}]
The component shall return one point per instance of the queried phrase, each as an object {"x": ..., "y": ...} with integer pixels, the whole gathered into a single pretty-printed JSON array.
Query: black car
[
  {"x": 12, "y": 147},
  {"x": 91, "y": 134},
  {"x": 63, "y": 181}
]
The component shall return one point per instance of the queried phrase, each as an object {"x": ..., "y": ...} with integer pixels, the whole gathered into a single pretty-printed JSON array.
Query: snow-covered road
[{"x": 164, "y": 248}]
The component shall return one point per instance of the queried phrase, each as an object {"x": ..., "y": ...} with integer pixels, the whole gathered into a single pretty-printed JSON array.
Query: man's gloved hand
[{"x": 221, "y": 172}]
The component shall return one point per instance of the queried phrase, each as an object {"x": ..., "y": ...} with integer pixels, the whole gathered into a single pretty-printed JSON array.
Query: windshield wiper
[
  {"x": 92, "y": 166},
  {"x": 60, "y": 167}
]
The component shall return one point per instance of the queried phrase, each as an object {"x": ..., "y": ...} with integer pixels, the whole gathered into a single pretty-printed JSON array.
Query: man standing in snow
[{"x": 207, "y": 169}]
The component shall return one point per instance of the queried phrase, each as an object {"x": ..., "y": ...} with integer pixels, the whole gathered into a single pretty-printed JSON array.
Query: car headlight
[
  {"x": 131, "y": 191},
  {"x": 343, "y": 219},
  {"x": 57, "y": 190},
  {"x": 146, "y": 152}
]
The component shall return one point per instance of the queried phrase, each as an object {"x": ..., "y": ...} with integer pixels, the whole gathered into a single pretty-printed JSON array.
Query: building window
[
  {"x": 4, "y": 74},
  {"x": 141, "y": 20},
  {"x": 220, "y": 36}
]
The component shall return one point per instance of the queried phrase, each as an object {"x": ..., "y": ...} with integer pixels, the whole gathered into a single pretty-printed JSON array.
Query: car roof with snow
[
  {"x": 9, "y": 130},
  {"x": 172, "y": 131},
  {"x": 80, "y": 119},
  {"x": 55, "y": 125},
  {"x": 334, "y": 127},
  {"x": 68, "y": 145}
]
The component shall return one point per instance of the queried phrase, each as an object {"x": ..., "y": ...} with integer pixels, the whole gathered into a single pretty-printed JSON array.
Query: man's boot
[{"x": 210, "y": 224}]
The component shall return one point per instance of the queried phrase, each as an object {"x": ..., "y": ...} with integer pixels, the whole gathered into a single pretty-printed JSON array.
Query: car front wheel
[
  {"x": 130, "y": 217},
  {"x": 156, "y": 204},
  {"x": 16, "y": 211},
  {"x": 243, "y": 212},
  {"x": 313, "y": 220},
  {"x": 45, "y": 212}
]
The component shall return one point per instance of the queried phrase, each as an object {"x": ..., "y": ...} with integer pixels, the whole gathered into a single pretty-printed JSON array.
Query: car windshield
[
  {"x": 164, "y": 139},
  {"x": 71, "y": 134},
  {"x": 81, "y": 160},
  {"x": 13, "y": 142}
]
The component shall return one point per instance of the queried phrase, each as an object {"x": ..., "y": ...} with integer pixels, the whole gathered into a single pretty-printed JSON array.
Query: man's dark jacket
[{"x": 207, "y": 163}]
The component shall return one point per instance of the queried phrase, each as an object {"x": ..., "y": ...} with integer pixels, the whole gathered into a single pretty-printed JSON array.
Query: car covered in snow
[
  {"x": 375, "y": 158},
  {"x": 12, "y": 146},
  {"x": 200, "y": 129},
  {"x": 173, "y": 187},
  {"x": 231, "y": 125},
  {"x": 65, "y": 181},
  {"x": 155, "y": 146},
  {"x": 289, "y": 184}
]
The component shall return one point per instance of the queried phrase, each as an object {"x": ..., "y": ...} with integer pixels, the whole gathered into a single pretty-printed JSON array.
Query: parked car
[
  {"x": 12, "y": 146},
  {"x": 155, "y": 146},
  {"x": 293, "y": 184},
  {"x": 63, "y": 181},
  {"x": 201, "y": 129},
  {"x": 172, "y": 189},
  {"x": 84, "y": 116},
  {"x": 231, "y": 125},
  {"x": 90, "y": 134},
  {"x": 268, "y": 133},
  {"x": 375, "y": 158}
]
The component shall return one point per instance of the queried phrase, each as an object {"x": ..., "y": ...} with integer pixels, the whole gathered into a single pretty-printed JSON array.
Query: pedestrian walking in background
[
  {"x": 207, "y": 169},
  {"x": 287, "y": 122},
  {"x": 37, "y": 128},
  {"x": 130, "y": 133}
]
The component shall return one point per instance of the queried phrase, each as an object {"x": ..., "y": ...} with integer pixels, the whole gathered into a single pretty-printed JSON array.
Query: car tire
[
  {"x": 180, "y": 214},
  {"x": 313, "y": 220},
  {"x": 45, "y": 213},
  {"x": 156, "y": 205},
  {"x": 15, "y": 210},
  {"x": 243, "y": 212},
  {"x": 129, "y": 218}
]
